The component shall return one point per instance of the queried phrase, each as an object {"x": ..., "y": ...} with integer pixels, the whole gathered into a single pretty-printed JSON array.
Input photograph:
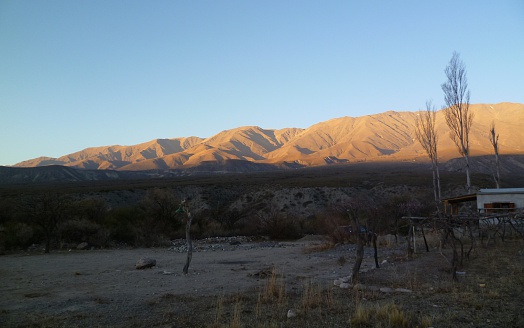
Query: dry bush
[
  {"x": 278, "y": 225},
  {"x": 330, "y": 223},
  {"x": 83, "y": 230},
  {"x": 16, "y": 235},
  {"x": 318, "y": 247}
]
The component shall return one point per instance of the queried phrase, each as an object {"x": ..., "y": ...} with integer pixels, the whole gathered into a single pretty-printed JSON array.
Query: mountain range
[{"x": 388, "y": 136}]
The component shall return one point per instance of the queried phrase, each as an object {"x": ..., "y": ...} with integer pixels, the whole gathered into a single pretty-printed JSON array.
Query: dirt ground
[
  {"x": 102, "y": 288},
  {"x": 37, "y": 286}
]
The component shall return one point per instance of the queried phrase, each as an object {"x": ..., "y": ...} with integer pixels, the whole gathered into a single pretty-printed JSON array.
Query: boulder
[
  {"x": 344, "y": 285},
  {"x": 403, "y": 290},
  {"x": 386, "y": 290},
  {"x": 346, "y": 279},
  {"x": 291, "y": 313},
  {"x": 144, "y": 263}
]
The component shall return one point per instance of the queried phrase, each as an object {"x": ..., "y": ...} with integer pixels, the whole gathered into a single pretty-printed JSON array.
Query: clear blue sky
[{"x": 78, "y": 74}]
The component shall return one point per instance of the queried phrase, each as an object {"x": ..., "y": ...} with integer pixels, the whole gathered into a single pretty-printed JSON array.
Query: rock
[
  {"x": 291, "y": 313},
  {"x": 144, "y": 263},
  {"x": 346, "y": 279},
  {"x": 344, "y": 285},
  {"x": 403, "y": 290},
  {"x": 386, "y": 290},
  {"x": 337, "y": 282},
  {"x": 82, "y": 246},
  {"x": 384, "y": 262}
]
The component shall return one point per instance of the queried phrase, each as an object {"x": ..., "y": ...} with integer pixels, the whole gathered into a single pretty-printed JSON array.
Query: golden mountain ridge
[{"x": 388, "y": 136}]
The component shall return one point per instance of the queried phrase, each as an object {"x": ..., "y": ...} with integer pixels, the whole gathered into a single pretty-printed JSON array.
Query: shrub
[
  {"x": 83, "y": 230},
  {"x": 18, "y": 235},
  {"x": 279, "y": 225},
  {"x": 120, "y": 224}
]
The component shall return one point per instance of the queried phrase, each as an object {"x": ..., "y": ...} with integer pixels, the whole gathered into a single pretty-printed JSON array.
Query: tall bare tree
[
  {"x": 494, "y": 139},
  {"x": 458, "y": 117},
  {"x": 427, "y": 136}
]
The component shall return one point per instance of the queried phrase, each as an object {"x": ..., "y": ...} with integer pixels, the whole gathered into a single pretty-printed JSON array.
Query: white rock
[
  {"x": 403, "y": 290},
  {"x": 291, "y": 313},
  {"x": 386, "y": 290},
  {"x": 384, "y": 262},
  {"x": 344, "y": 285},
  {"x": 337, "y": 282}
]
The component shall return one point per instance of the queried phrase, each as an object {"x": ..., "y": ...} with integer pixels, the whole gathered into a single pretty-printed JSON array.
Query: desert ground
[{"x": 227, "y": 286}]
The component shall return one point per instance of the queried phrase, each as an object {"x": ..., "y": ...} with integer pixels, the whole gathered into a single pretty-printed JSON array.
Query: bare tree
[
  {"x": 357, "y": 209},
  {"x": 184, "y": 208},
  {"x": 458, "y": 116},
  {"x": 494, "y": 139},
  {"x": 47, "y": 211},
  {"x": 427, "y": 136}
]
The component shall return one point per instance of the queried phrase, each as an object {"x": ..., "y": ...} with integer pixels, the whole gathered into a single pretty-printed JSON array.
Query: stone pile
[{"x": 222, "y": 244}]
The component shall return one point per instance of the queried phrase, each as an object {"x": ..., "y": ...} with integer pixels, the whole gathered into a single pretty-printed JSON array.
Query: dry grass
[
  {"x": 319, "y": 247},
  {"x": 381, "y": 315}
]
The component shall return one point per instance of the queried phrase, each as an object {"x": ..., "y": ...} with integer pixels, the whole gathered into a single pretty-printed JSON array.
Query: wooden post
[
  {"x": 409, "y": 245},
  {"x": 375, "y": 249},
  {"x": 424, "y": 236},
  {"x": 414, "y": 239}
]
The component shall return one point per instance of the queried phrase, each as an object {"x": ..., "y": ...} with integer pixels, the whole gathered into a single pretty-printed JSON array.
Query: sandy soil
[{"x": 102, "y": 287}]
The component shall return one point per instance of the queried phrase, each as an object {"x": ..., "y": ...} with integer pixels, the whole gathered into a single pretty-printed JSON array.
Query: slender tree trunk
[
  {"x": 435, "y": 191},
  {"x": 438, "y": 184},
  {"x": 436, "y": 188},
  {"x": 409, "y": 246},
  {"x": 360, "y": 248},
  {"x": 468, "y": 178},
  {"x": 497, "y": 166},
  {"x": 47, "y": 242},
  {"x": 472, "y": 237},
  {"x": 189, "y": 243}
]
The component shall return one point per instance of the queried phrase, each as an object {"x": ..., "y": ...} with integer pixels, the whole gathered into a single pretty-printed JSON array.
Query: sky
[{"x": 76, "y": 74}]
